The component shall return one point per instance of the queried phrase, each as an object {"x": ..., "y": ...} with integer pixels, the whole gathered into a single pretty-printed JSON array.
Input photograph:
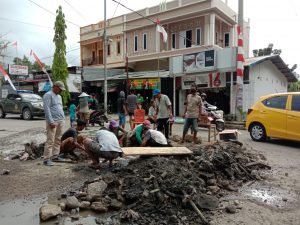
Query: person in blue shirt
[{"x": 72, "y": 112}]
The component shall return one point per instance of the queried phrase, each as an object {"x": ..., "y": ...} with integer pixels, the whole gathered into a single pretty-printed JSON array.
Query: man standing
[
  {"x": 131, "y": 106},
  {"x": 84, "y": 112},
  {"x": 121, "y": 108},
  {"x": 192, "y": 109},
  {"x": 55, "y": 121},
  {"x": 163, "y": 112}
]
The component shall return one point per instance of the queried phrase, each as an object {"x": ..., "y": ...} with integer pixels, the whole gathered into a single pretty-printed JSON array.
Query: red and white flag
[
  {"x": 161, "y": 30},
  {"x": 40, "y": 64},
  {"x": 240, "y": 57},
  {"x": 15, "y": 44},
  {"x": 6, "y": 77}
]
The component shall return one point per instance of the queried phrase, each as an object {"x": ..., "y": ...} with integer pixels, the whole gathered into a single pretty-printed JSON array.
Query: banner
[
  {"x": 41, "y": 65},
  {"x": 6, "y": 77},
  {"x": 204, "y": 80},
  {"x": 18, "y": 69},
  {"x": 145, "y": 84},
  {"x": 200, "y": 61}
]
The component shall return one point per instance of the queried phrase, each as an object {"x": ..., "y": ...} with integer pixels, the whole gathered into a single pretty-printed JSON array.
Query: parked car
[
  {"x": 276, "y": 116},
  {"x": 27, "y": 105}
]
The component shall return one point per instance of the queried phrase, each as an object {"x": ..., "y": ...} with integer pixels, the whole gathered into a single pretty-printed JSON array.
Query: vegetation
[
  {"x": 60, "y": 66},
  {"x": 266, "y": 51},
  {"x": 26, "y": 62}
]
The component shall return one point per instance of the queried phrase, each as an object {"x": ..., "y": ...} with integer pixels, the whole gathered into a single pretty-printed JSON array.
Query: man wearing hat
[
  {"x": 163, "y": 112},
  {"x": 119, "y": 132},
  {"x": 153, "y": 138},
  {"x": 84, "y": 111},
  {"x": 55, "y": 121}
]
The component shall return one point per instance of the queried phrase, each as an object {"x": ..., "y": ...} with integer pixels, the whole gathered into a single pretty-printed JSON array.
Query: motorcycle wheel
[{"x": 220, "y": 126}]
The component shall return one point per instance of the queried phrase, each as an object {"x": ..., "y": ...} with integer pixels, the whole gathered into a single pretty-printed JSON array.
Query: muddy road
[{"x": 275, "y": 200}]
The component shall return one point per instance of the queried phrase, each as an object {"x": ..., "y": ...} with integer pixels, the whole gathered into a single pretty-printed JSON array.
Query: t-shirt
[
  {"x": 137, "y": 131},
  {"x": 84, "y": 105},
  {"x": 94, "y": 104},
  {"x": 193, "y": 105},
  {"x": 71, "y": 132},
  {"x": 53, "y": 107},
  {"x": 120, "y": 104},
  {"x": 157, "y": 136},
  {"x": 131, "y": 103},
  {"x": 72, "y": 111},
  {"x": 108, "y": 141},
  {"x": 151, "y": 111},
  {"x": 162, "y": 105}
]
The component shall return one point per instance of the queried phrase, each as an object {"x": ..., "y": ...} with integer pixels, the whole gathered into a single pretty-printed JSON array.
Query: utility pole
[{"x": 104, "y": 59}]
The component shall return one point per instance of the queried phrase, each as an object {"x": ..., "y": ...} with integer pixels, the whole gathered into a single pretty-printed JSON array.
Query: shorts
[
  {"x": 130, "y": 113},
  {"x": 122, "y": 119},
  {"x": 84, "y": 116},
  {"x": 190, "y": 122}
]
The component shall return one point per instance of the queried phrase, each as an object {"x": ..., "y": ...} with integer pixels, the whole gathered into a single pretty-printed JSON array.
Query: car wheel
[
  {"x": 27, "y": 115},
  {"x": 258, "y": 132},
  {"x": 2, "y": 114}
]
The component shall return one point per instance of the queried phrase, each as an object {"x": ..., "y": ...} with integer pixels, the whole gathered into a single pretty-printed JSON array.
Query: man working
[
  {"x": 55, "y": 121},
  {"x": 69, "y": 139},
  {"x": 136, "y": 136},
  {"x": 153, "y": 138},
  {"x": 106, "y": 146},
  {"x": 193, "y": 107},
  {"x": 116, "y": 129},
  {"x": 163, "y": 112}
]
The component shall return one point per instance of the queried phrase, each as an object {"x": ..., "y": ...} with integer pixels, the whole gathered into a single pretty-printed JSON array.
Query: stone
[
  {"x": 49, "y": 211},
  {"x": 209, "y": 202},
  {"x": 99, "y": 207},
  {"x": 62, "y": 205},
  {"x": 176, "y": 138},
  {"x": 72, "y": 202},
  {"x": 5, "y": 172},
  {"x": 230, "y": 209},
  {"x": 84, "y": 205},
  {"x": 212, "y": 182},
  {"x": 115, "y": 204},
  {"x": 96, "y": 188},
  {"x": 213, "y": 189},
  {"x": 284, "y": 199}
]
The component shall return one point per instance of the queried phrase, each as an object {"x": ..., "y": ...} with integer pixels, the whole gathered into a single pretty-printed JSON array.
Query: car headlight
[{"x": 38, "y": 105}]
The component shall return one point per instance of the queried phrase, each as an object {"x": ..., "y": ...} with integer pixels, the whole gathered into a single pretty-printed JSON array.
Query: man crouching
[{"x": 106, "y": 146}]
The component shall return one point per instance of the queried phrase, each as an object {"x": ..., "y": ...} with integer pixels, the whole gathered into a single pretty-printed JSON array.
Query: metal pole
[
  {"x": 127, "y": 76},
  {"x": 104, "y": 59}
]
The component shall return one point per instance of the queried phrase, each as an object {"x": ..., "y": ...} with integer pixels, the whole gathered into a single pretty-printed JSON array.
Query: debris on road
[{"x": 174, "y": 189}]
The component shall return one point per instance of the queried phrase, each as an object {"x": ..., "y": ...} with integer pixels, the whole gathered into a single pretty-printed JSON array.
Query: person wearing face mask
[{"x": 193, "y": 107}]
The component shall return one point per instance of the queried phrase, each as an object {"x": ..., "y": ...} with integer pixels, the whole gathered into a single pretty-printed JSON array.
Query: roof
[
  {"x": 277, "y": 61},
  {"x": 97, "y": 74}
]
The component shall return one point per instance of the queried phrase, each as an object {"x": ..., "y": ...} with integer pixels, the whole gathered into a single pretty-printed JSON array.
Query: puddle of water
[
  {"x": 269, "y": 195},
  {"x": 21, "y": 211}
]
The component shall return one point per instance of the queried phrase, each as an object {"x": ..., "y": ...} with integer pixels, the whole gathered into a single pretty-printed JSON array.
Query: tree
[
  {"x": 60, "y": 66},
  {"x": 26, "y": 62}
]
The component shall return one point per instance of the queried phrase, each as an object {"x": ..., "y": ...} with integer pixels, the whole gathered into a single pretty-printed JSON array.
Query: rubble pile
[{"x": 170, "y": 190}]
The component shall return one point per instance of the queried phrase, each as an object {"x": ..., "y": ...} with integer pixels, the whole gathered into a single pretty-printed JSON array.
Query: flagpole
[{"x": 18, "y": 76}]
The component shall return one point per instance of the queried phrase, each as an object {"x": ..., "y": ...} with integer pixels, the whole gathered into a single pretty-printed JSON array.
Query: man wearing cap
[
  {"x": 121, "y": 108},
  {"x": 55, "y": 121},
  {"x": 116, "y": 129},
  {"x": 83, "y": 107},
  {"x": 163, "y": 112},
  {"x": 153, "y": 138},
  {"x": 193, "y": 107}
]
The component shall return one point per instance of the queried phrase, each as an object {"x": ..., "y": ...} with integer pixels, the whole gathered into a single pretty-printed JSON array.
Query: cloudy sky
[{"x": 31, "y": 22}]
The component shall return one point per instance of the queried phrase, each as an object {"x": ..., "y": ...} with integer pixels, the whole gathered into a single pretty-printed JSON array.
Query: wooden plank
[{"x": 156, "y": 151}]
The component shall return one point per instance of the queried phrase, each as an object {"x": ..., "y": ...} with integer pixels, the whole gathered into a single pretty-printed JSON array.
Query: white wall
[{"x": 265, "y": 79}]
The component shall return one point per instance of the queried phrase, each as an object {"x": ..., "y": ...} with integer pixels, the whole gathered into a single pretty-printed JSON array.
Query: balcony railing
[{"x": 92, "y": 61}]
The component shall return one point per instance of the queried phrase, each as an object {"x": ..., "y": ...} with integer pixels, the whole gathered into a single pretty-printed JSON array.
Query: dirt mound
[{"x": 173, "y": 190}]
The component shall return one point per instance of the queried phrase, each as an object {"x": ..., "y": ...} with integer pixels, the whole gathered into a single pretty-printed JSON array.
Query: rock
[
  {"x": 64, "y": 195},
  {"x": 96, "y": 188},
  {"x": 212, "y": 182},
  {"x": 24, "y": 157},
  {"x": 230, "y": 209},
  {"x": 62, "y": 205},
  {"x": 213, "y": 189},
  {"x": 286, "y": 174},
  {"x": 84, "y": 205},
  {"x": 176, "y": 138},
  {"x": 72, "y": 202},
  {"x": 172, "y": 219},
  {"x": 207, "y": 202},
  {"x": 189, "y": 138},
  {"x": 5, "y": 172},
  {"x": 99, "y": 207},
  {"x": 115, "y": 204},
  {"x": 284, "y": 199},
  {"x": 49, "y": 211}
]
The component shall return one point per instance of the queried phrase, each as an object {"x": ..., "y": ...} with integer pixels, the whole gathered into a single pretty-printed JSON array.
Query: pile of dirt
[{"x": 171, "y": 190}]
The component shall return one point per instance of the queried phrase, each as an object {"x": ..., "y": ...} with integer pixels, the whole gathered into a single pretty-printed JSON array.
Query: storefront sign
[
  {"x": 40, "y": 76},
  {"x": 197, "y": 62},
  {"x": 187, "y": 81},
  {"x": 206, "y": 80},
  {"x": 18, "y": 70},
  {"x": 144, "y": 83}
]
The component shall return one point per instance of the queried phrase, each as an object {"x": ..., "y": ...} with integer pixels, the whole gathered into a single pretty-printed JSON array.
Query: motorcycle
[
  {"x": 216, "y": 117},
  {"x": 98, "y": 117}
]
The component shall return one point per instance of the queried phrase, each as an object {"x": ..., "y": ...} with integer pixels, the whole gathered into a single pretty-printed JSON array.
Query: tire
[
  {"x": 258, "y": 132},
  {"x": 220, "y": 126},
  {"x": 2, "y": 113},
  {"x": 27, "y": 115}
]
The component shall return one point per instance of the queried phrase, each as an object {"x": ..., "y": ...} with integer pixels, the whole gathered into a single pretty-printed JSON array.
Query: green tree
[{"x": 60, "y": 66}]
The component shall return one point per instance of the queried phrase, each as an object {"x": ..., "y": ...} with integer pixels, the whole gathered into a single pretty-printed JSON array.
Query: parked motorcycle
[
  {"x": 98, "y": 117},
  {"x": 216, "y": 117}
]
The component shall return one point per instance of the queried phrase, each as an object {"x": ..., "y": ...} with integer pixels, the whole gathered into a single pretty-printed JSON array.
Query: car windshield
[{"x": 31, "y": 97}]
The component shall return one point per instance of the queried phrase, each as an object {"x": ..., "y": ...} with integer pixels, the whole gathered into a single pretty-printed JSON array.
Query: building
[{"x": 200, "y": 48}]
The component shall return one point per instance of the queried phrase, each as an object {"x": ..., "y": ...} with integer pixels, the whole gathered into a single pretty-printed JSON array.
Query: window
[
  {"x": 188, "y": 38},
  {"x": 135, "y": 44},
  {"x": 118, "y": 47},
  {"x": 108, "y": 49},
  {"x": 277, "y": 102},
  {"x": 217, "y": 38},
  {"x": 226, "y": 40},
  {"x": 94, "y": 56},
  {"x": 145, "y": 42},
  {"x": 173, "y": 39},
  {"x": 198, "y": 36},
  {"x": 296, "y": 103}
]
